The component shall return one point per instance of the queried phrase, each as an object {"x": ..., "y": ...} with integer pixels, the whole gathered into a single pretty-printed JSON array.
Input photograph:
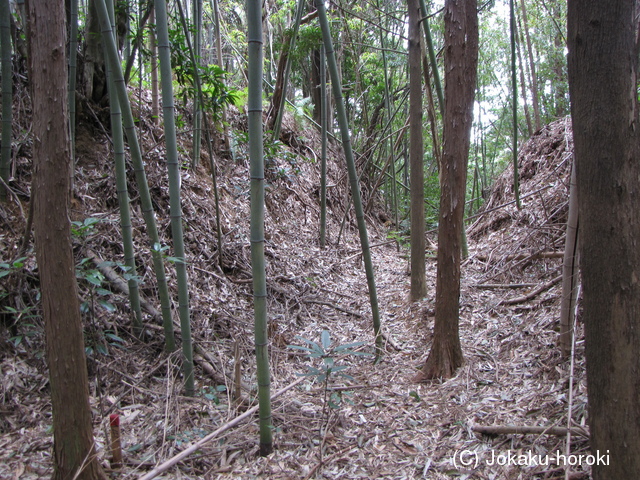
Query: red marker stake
[{"x": 116, "y": 447}]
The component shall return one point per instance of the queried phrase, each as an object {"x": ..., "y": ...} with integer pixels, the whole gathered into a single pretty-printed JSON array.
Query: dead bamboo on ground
[
  {"x": 482, "y": 214},
  {"x": 529, "y": 430},
  {"x": 531, "y": 294},
  {"x": 163, "y": 467},
  {"x": 489, "y": 286},
  {"x": 523, "y": 256}
]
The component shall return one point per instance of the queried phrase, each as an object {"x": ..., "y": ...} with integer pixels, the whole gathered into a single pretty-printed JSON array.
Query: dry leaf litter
[{"x": 385, "y": 426}]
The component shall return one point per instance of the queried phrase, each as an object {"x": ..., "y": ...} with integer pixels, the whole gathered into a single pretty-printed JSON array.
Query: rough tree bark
[
  {"x": 461, "y": 61},
  {"x": 74, "y": 453},
  {"x": 416, "y": 156},
  {"x": 602, "y": 64}
]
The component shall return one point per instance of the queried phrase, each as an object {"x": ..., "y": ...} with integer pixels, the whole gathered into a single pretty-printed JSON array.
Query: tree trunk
[
  {"x": 153, "y": 62},
  {"x": 73, "y": 436},
  {"x": 523, "y": 82},
  {"x": 7, "y": 95},
  {"x": 559, "y": 78},
  {"x": 532, "y": 69},
  {"x": 604, "y": 108},
  {"x": 416, "y": 155},
  {"x": 95, "y": 78},
  {"x": 570, "y": 263},
  {"x": 316, "y": 98},
  {"x": 461, "y": 60}
]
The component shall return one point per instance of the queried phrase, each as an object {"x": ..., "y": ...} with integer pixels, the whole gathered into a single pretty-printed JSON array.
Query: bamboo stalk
[
  {"x": 123, "y": 194},
  {"x": 353, "y": 175},
  {"x": 256, "y": 157},
  {"x": 138, "y": 165},
  {"x": 173, "y": 167}
]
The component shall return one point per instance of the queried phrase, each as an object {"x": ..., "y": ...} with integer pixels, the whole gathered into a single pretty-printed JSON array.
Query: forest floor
[{"x": 376, "y": 424}]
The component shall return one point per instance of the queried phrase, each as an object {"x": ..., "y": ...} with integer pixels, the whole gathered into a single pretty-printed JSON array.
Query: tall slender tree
[
  {"x": 514, "y": 101},
  {"x": 533, "y": 85},
  {"x": 256, "y": 151},
  {"x": 323, "y": 155},
  {"x": 73, "y": 69},
  {"x": 416, "y": 156},
  {"x": 138, "y": 165},
  {"x": 7, "y": 94},
  {"x": 173, "y": 166},
  {"x": 461, "y": 61},
  {"x": 197, "y": 106},
  {"x": 351, "y": 168},
  {"x": 74, "y": 452},
  {"x": 123, "y": 194},
  {"x": 603, "y": 66},
  {"x": 153, "y": 68}
]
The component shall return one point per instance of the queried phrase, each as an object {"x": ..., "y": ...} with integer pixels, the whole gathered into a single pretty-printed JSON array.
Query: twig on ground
[
  {"x": 328, "y": 459},
  {"x": 531, "y": 294},
  {"x": 337, "y": 307}
]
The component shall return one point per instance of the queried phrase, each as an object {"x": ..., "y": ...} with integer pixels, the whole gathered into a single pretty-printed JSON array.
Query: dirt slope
[{"x": 384, "y": 426}]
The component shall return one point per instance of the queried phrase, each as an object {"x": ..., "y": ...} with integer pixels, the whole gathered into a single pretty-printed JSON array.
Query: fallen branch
[
  {"x": 337, "y": 307},
  {"x": 523, "y": 256},
  {"x": 532, "y": 293},
  {"x": 122, "y": 286},
  {"x": 481, "y": 214},
  {"x": 527, "y": 430},
  {"x": 489, "y": 286},
  {"x": 195, "y": 446}
]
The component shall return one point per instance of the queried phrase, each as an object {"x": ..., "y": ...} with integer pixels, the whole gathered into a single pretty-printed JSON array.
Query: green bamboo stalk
[
  {"x": 285, "y": 81},
  {"x": 353, "y": 175},
  {"x": 387, "y": 102},
  {"x": 117, "y": 136},
  {"x": 225, "y": 124},
  {"x": 138, "y": 166},
  {"x": 256, "y": 151},
  {"x": 173, "y": 166},
  {"x": 323, "y": 156},
  {"x": 7, "y": 94},
  {"x": 514, "y": 103},
  {"x": 197, "y": 103}
]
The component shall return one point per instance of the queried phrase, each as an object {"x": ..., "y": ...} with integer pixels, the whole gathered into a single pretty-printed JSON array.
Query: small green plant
[
  {"x": 274, "y": 153},
  {"x": 328, "y": 368},
  {"x": 82, "y": 229},
  {"x": 9, "y": 268},
  {"x": 161, "y": 249},
  {"x": 188, "y": 436},
  {"x": 100, "y": 342},
  {"x": 213, "y": 393},
  {"x": 30, "y": 329},
  {"x": 400, "y": 237},
  {"x": 15, "y": 315}
]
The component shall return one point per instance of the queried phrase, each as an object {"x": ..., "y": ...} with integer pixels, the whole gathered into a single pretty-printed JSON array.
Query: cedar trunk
[
  {"x": 604, "y": 108},
  {"x": 73, "y": 436},
  {"x": 461, "y": 61},
  {"x": 416, "y": 154}
]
